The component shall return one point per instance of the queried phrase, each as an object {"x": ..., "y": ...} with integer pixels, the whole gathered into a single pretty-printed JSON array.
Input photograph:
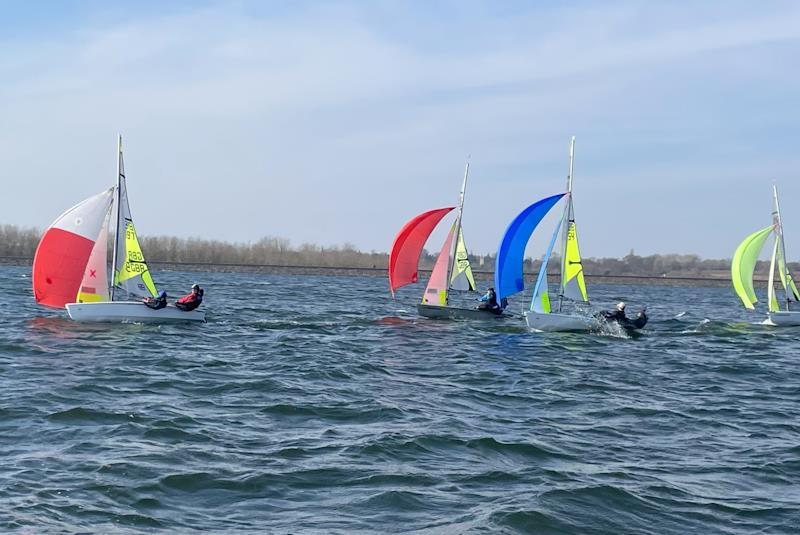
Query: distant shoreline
[{"x": 350, "y": 271}]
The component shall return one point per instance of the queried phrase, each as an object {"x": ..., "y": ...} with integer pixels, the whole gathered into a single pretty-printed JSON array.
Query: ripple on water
[{"x": 293, "y": 411}]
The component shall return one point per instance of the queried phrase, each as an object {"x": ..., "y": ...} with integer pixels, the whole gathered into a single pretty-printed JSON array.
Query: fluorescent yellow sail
[
  {"x": 744, "y": 263},
  {"x": 134, "y": 266},
  {"x": 787, "y": 280},
  {"x": 773, "y": 300},
  {"x": 545, "y": 301},
  {"x": 572, "y": 282},
  {"x": 462, "y": 278},
  {"x": 793, "y": 287}
]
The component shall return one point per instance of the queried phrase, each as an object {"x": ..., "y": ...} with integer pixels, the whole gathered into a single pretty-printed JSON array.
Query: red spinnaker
[
  {"x": 58, "y": 267},
  {"x": 408, "y": 244},
  {"x": 65, "y": 248}
]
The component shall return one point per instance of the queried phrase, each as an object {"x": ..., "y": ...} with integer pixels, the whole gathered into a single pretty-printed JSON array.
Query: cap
[{"x": 620, "y": 306}]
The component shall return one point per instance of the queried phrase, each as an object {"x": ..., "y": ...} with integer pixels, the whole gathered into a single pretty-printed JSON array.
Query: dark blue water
[{"x": 320, "y": 405}]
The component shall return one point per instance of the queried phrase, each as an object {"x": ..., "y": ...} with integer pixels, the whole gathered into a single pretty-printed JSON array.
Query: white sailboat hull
[
  {"x": 560, "y": 322},
  {"x": 130, "y": 311},
  {"x": 785, "y": 318}
]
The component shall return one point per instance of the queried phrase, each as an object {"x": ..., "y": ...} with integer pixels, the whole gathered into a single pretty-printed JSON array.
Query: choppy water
[{"x": 320, "y": 405}]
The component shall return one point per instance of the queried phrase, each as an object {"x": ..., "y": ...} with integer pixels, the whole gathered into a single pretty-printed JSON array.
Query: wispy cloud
[{"x": 336, "y": 122}]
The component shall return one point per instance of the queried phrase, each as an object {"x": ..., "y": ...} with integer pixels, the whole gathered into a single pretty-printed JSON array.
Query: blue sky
[{"x": 334, "y": 122}]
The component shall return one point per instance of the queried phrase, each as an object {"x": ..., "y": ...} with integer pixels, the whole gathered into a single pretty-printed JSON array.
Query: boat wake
[{"x": 612, "y": 329}]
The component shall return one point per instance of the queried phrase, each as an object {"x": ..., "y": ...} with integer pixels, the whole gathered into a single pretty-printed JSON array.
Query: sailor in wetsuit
[
  {"x": 619, "y": 316},
  {"x": 616, "y": 315},
  {"x": 191, "y": 301},
  {"x": 489, "y": 301},
  {"x": 156, "y": 303}
]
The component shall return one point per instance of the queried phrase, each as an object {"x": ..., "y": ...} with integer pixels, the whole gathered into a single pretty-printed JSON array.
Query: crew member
[
  {"x": 192, "y": 300},
  {"x": 618, "y": 314},
  {"x": 156, "y": 303},
  {"x": 489, "y": 301}
]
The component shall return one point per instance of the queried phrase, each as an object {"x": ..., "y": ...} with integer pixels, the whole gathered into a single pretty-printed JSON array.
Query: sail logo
[{"x": 135, "y": 256}]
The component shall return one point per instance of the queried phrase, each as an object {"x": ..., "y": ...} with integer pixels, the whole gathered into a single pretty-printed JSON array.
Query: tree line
[{"x": 21, "y": 242}]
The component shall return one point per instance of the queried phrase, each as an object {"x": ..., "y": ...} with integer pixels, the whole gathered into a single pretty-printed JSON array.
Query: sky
[{"x": 336, "y": 122}]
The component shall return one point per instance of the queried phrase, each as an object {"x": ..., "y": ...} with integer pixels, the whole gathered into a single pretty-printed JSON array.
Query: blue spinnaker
[{"x": 508, "y": 278}]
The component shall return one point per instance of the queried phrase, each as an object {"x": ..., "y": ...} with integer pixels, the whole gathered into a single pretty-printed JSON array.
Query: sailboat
[
  {"x": 70, "y": 268},
  {"x": 544, "y": 315},
  {"x": 744, "y": 263},
  {"x": 452, "y": 270},
  {"x": 565, "y": 313}
]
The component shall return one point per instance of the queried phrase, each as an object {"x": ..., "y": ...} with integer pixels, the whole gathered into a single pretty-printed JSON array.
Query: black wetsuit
[
  {"x": 615, "y": 315},
  {"x": 489, "y": 302},
  {"x": 157, "y": 303},
  {"x": 624, "y": 321}
]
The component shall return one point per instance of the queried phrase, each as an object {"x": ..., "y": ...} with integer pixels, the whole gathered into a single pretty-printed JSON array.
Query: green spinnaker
[{"x": 744, "y": 263}]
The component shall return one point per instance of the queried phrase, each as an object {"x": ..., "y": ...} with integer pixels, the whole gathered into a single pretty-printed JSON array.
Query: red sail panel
[
  {"x": 408, "y": 244},
  {"x": 58, "y": 267},
  {"x": 65, "y": 248}
]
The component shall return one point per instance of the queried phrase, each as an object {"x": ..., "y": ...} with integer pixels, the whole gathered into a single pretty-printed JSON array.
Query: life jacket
[{"x": 190, "y": 301}]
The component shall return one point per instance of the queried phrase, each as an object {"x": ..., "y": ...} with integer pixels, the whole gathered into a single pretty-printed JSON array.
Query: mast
[
  {"x": 569, "y": 219},
  {"x": 452, "y": 262},
  {"x": 782, "y": 244},
  {"x": 117, "y": 200}
]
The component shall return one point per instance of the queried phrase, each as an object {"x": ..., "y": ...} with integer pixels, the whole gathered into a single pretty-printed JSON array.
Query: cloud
[{"x": 337, "y": 122}]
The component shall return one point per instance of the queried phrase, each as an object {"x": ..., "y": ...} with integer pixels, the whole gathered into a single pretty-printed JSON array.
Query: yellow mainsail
[
  {"x": 462, "y": 278},
  {"x": 573, "y": 285},
  {"x": 133, "y": 274}
]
